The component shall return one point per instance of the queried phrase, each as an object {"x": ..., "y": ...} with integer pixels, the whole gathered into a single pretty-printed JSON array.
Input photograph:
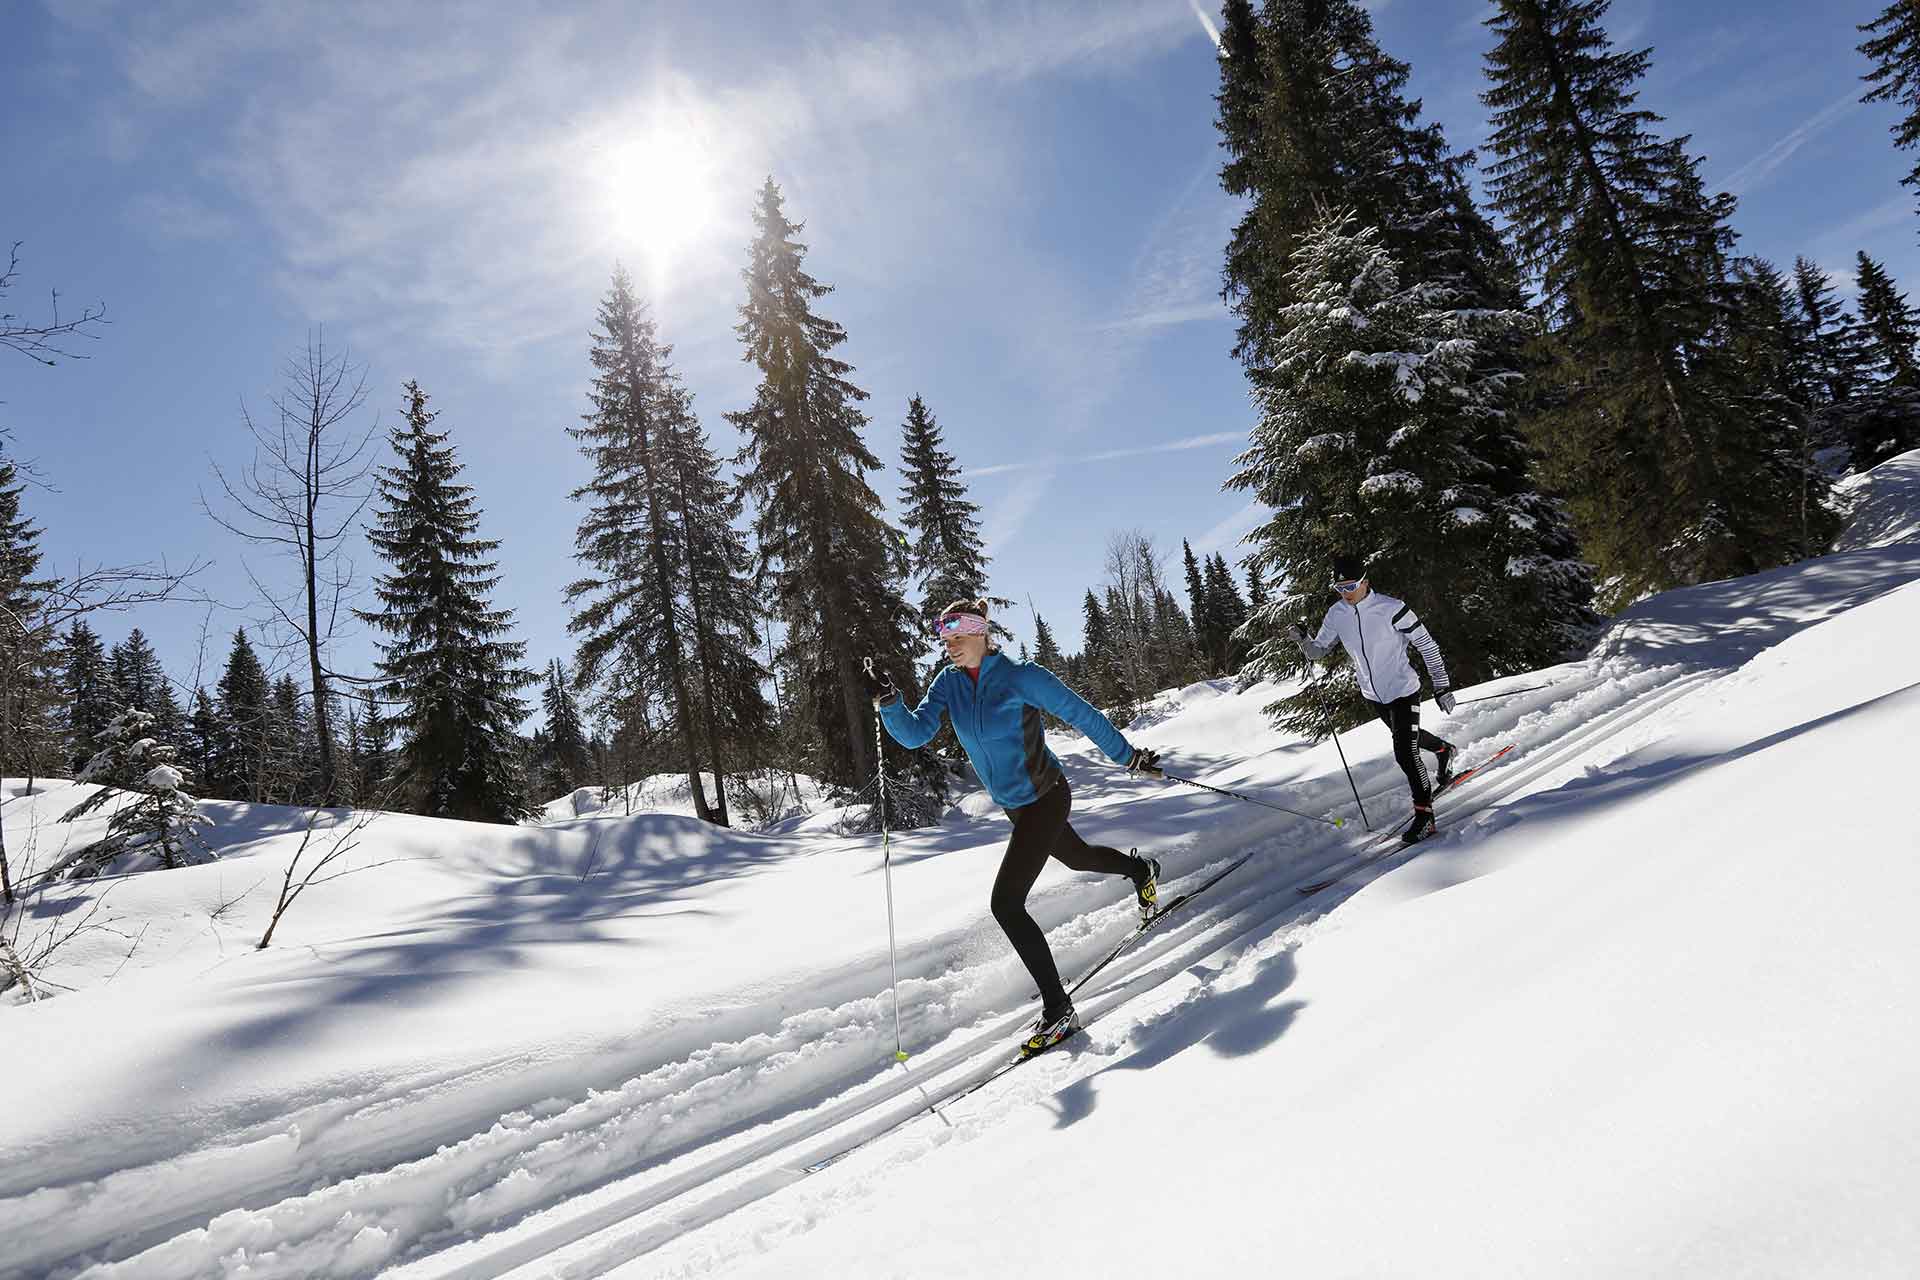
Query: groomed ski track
[
  {"x": 581, "y": 1181},
  {"x": 580, "y": 1187}
]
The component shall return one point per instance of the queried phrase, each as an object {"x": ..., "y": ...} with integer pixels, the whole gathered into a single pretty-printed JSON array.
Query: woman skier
[
  {"x": 1376, "y": 631},
  {"x": 995, "y": 705}
]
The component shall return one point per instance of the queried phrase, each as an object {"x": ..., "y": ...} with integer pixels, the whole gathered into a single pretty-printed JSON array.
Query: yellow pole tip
[{"x": 899, "y": 1055}]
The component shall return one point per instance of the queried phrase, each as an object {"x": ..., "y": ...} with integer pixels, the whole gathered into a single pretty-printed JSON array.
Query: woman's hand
[{"x": 879, "y": 685}]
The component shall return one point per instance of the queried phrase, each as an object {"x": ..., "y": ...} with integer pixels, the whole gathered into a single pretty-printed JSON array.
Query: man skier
[{"x": 1376, "y": 631}]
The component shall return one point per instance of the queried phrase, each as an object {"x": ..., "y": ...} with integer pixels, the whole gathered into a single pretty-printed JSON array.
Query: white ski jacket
[{"x": 1376, "y": 633}]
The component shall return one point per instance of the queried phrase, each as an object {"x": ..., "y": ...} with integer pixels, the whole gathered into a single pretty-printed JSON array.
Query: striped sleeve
[{"x": 1408, "y": 624}]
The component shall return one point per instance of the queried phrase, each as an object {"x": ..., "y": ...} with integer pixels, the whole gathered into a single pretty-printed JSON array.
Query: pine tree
[
  {"x": 835, "y": 564},
  {"x": 245, "y": 724},
  {"x": 203, "y": 736},
  {"x": 1827, "y": 334},
  {"x": 1228, "y": 612},
  {"x": 571, "y": 767},
  {"x": 1207, "y": 627},
  {"x": 668, "y": 593},
  {"x": 376, "y": 763},
  {"x": 1894, "y": 50},
  {"x": 1365, "y": 445},
  {"x": 89, "y": 692},
  {"x": 1046, "y": 651},
  {"x": 1313, "y": 115},
  {"x": 1889, "y": 324},
  {"x": 29, "y": 661},
  {"x": 457, "y": 681},
  {"x": 140, "y": 681},
  {"x": 945, "y": 554},
  {"x": 1777, "y": 389},
  {"x": 292, "y": 755},
  {"x": 1882, "y": 416},
  {"x": 1644, "y": 429}
]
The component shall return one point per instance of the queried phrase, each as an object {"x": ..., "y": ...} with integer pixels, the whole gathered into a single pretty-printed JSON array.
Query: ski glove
[
  {"x": 1299, "y": 639},
  {"x": 1443, "y": 698},
  {"x": 1144, "y": 761}
]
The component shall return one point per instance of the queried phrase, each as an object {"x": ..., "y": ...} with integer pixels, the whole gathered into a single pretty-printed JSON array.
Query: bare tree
[
  {"x": 41, "y": 343},
  {"x": 305, "y": 471}
]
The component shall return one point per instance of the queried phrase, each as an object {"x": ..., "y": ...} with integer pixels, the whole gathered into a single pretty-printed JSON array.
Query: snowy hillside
[{"x": 1643, "y": 1008}]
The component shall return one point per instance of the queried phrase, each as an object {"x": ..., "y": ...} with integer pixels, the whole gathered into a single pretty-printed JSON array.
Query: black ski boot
[
  {"x": 1444, "y": 778},
  {"x": 1147, "y": 890},
  {"x": 1054, "y": 1026},
  {"x": 1421, "y": 827}
]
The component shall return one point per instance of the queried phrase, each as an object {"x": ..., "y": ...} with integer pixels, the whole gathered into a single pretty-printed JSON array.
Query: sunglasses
[
  {"x": 959, "y": 624},
  {"x": 1347, "y": 588}
]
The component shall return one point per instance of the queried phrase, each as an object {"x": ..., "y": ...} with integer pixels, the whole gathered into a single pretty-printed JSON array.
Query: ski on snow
[
  {"x": 1388, "y": 841},
  {"x": 1023, "y": 1057}
]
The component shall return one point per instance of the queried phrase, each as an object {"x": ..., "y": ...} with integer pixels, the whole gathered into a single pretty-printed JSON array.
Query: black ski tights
[
  {"x": 1402, "y": 716},
  {"x": 1041, "y": 829}
]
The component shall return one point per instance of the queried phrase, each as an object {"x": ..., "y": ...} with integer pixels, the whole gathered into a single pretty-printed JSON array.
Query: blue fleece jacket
[{"x": 997, "y": 720}]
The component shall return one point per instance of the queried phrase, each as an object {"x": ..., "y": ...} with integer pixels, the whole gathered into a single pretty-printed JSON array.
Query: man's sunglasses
[{"x": 1347, "y": 588}]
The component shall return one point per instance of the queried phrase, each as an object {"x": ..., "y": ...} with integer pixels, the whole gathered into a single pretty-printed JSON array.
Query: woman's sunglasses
[{"x": 959, "y": 624}]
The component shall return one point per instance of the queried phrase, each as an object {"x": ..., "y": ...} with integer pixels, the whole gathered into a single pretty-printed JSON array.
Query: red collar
[{"x": 973, "y": 673}]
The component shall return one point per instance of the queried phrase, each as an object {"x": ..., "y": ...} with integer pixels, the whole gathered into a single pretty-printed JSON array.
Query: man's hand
[
  {"x": 1145, "y": 761},
  {"x": 1299, "y": 639},
  {"x": 1443, "y": 698}
]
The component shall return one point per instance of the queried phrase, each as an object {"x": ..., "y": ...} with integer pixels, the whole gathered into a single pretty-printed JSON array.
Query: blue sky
[{"x": 1016, "y": 203}]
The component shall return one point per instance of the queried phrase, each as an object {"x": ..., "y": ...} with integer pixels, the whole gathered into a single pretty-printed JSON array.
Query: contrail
[
  {"x": 1171, "y": 446},
  {"x": 1213, "y": 32}
]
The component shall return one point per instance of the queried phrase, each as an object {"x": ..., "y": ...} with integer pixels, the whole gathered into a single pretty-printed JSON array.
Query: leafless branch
[{"x": 41, "y": 343}]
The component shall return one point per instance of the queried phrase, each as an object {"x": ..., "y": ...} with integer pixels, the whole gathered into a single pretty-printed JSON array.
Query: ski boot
[
  {"x": 1054, "y": 1026},
  {"x": 1444, "y": 778},
  {"x": 1147, "y": 891},
  {"x": 1421, "y": 827}
]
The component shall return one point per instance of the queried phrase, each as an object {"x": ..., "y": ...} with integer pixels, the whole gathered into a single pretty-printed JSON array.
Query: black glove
[
  {"x": 879, "y": 685},
  {"x": 1443, "y": 698},
  {"x": 1299, "y": 639},
  {"x": 1144, "y": 761}
]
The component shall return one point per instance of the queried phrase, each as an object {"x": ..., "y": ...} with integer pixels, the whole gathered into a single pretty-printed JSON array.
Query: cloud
[
  {"x": 1228, "y": 534},
  {"x": 441, "y": 173},
  {"x": 1762, "y": 166}
]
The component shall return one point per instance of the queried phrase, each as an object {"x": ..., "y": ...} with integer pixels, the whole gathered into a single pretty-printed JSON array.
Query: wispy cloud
[
  {"x": 1109, "y": 455},
  {"x": 1228, "y": 533},
  {"x": 455, "y": 187},
  {"x": 1762, "y": 166}
]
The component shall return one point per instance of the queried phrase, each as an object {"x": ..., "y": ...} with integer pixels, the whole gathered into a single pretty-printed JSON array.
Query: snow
[
  {"x": 1390, "y": 482},
  {"x": 1642, "y": 1008}
]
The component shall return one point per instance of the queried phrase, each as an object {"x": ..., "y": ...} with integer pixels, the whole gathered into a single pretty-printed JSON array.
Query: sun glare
[{"x": 659, "y": 194}]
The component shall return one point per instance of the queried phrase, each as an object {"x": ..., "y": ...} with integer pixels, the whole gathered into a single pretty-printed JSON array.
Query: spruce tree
[
  {"x": 1644, "y": 428},
  {"x": 1827, "y": 335},
  {"x": 1365, "y": 445},
  {"x": 376, "y": 764},
  {"x": 1889, "y": 326},
  {"x": 202, "y": 738},
  {"x": 161, "y": 823},
  {"x": 88, "y": 682},
  {"x": 945, "y": 554},
  {"x": 1882, "y": 416},
  {"x": 241, "y": 755},
  {"x": 566, "y": 735},
  {"x": 1208, "y": 630},
  {"x": 668, "y": 592},
  {"x": 1228, "y": 612},
  {"x": 447, "y": 666},
  {"x": 140, "y": 681},
  {"x": 1894, "y": 50},
  {"x": 29, "y": 661},
  {"x": 1046, "y": 650},
  {"x": 835, "y": 565}
]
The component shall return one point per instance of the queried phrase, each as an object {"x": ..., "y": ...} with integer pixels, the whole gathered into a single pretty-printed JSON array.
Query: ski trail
[{"x": 615, "y": 1174}]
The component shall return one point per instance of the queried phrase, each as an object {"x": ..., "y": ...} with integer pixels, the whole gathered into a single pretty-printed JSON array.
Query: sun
[{"x": 657, "y": 192}]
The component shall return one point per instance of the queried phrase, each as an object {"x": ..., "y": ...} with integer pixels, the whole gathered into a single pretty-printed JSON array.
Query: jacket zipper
[{"x": 1360, "y": 629}]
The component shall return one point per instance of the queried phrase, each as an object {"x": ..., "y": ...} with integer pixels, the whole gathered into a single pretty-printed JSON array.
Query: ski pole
[
  {"x": 886, "y": 859},
  {"x": 1332, "y": 822},
  {"x": 1356, "y": 790},
  {"x": 1532, "y": 688}
]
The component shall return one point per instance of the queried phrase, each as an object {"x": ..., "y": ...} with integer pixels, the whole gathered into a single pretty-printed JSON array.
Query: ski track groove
[{"x": 488, "y": 1193}]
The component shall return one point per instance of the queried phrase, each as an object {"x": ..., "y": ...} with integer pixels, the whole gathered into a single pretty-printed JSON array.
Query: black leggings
[
  {"x": 1402, "y": 716},
  {"x": 1041, "y": 830}
]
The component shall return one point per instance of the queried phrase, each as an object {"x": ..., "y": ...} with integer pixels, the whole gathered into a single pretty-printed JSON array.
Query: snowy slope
[{"x": 1644, "y": 1008}]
